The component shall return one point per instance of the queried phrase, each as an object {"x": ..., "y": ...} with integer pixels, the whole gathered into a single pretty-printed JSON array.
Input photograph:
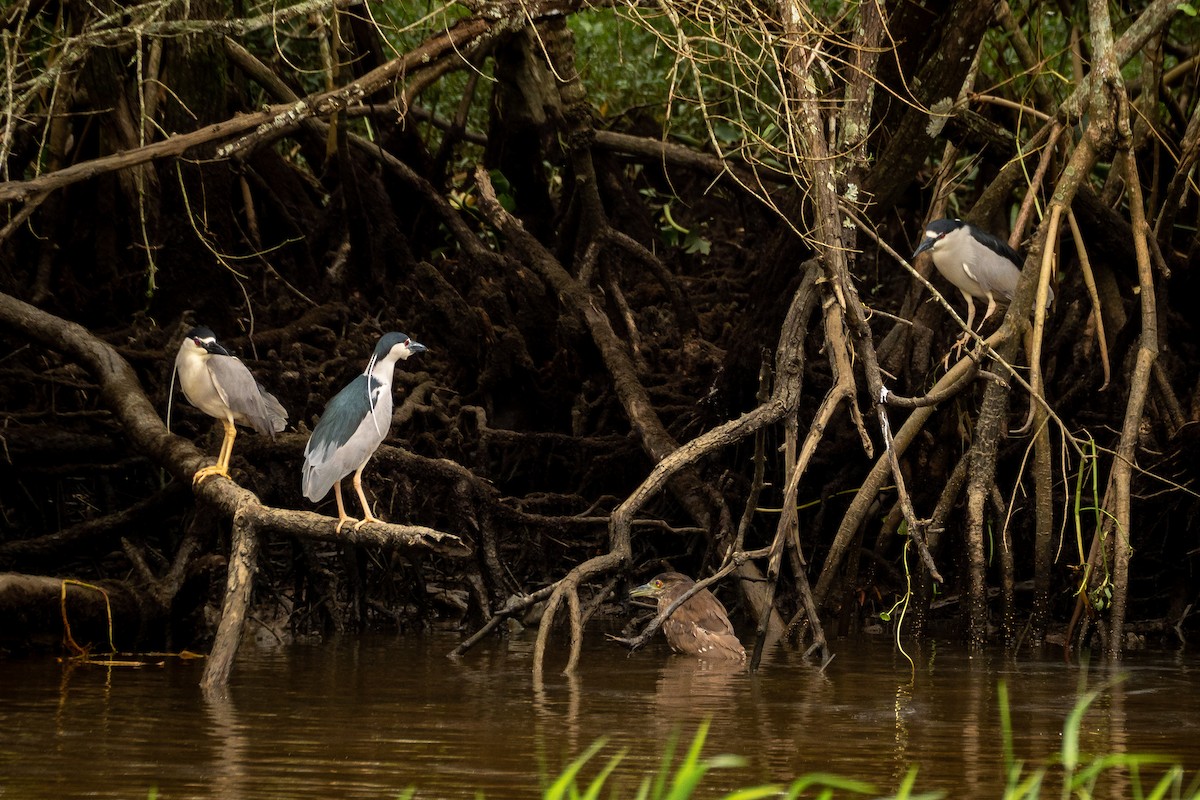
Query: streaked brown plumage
[{"x": 699, "y": 627}]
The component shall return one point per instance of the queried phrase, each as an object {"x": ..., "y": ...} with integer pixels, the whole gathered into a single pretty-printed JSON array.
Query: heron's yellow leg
[
  {"x": 362, "y": 498},
  {"x": 343, "y": 517},
  {"x": 227, "y": 445},
  {"x": 222, "y": 466},
  {"x": 991, "y": 307}
]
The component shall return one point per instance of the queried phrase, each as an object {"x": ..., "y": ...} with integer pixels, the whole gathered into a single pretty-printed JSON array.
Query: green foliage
[
  {"x": 669, "y": 783},
  {"x": 704, "y": 86},
  {"x": 1095, "y": 582},
  {"x": 406, "y": 24},
  {"x": 683, "y": 780},
  {"x": 672, "y": 232},
  {"x": 1080, "y": 774},
  {"x": 621, "y": 63}
]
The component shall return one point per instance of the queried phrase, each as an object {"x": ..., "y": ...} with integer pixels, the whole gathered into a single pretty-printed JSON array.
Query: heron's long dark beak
[
  {"x": 212, "y": 347},
  {"x": 645, "y": 590},
  {"x": 925, "y": 245}
]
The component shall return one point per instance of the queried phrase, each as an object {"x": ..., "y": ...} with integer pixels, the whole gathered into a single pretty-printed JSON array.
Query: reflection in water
[
  {"x": 690, "y": 690},
  {"x": 366, "y": 718},
  {"x": 556, "y": 718},
  {"x": 229, "y": 769},
  {"x": 1117, "y": 740},
  {"x": 900, "y": 749}
]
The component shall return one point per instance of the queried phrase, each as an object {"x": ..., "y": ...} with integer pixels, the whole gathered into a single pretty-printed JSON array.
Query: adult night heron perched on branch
[
  {"x": 354, "y": 424},
  {"x": 220, "y": 385},
  {"x": 699, "y": 627},
  {"x": 980, "y": 265}
]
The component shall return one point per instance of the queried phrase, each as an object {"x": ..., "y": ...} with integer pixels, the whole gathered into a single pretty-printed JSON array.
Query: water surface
[{"x": 369, "y": 717}]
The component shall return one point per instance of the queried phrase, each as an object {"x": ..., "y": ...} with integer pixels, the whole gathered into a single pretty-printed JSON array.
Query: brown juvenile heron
[{"x": 699, "y": 627}]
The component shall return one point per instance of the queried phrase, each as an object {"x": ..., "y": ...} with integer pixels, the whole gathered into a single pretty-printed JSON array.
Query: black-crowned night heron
[
  {"x": 354, "y": 424},
  {"x": 220, "y": 385},
  {"x": 980, "y": 265},
  {"x": 699, "y": 627}
]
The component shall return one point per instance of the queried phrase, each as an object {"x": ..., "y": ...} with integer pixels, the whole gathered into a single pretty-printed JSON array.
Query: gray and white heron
[
  {"x": 221, "y": 386},
  {"x": 353, "y": 425},
  {"x": 980, "y": 265}
]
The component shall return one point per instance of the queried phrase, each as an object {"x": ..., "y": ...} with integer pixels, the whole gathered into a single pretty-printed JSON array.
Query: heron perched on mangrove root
[
  {"x": 355, "y": 423},
  {"x": 221, "y": 386},
  {"x": 981, "y": 266}
]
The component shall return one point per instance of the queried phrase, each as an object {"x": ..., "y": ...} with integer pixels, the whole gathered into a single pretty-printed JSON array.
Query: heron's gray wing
[
  {"x": 326, "y": 459},
  {"x": 276, "y": 413},
  {"x": 997, "y": 246},
  {"x": 243, "y": 395},
  {"x": 996, "y": 273},
  {"x": 1001, "y": 248}
]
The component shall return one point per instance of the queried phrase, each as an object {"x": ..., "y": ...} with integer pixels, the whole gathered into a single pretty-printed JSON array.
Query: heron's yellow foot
[
  {"x": 957, "y": 349},
  {"x": 342, "y": 520},
  {"x": 208, "y": 472},
  {"x": 368, "y": 518}
]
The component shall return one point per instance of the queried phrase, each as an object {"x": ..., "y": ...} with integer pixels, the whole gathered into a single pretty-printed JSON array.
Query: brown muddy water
[{"x": 370, "y": 717}]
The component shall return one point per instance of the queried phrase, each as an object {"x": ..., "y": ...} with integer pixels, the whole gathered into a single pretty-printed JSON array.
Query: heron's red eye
[{"x": 658, "y": 584}]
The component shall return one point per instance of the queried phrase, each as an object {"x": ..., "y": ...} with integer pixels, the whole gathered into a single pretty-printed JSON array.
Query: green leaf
[
  {"x": 562, "y": 788},
  {"x": 698, "y": 244},
  {"x": 754, "y": 793},
  {"x": 828, "y": 781},
  {"x": 597, "y": 783},
  {"x": 726, "y": 133}
]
